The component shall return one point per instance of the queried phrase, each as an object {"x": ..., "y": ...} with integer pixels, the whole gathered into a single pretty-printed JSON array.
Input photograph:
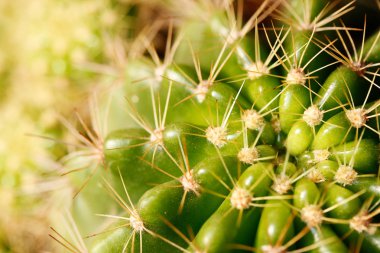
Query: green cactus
[{"x": 259, "y": 135}]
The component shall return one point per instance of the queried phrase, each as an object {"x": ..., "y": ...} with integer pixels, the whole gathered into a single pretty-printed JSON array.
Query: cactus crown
[{"x": 278, "y": 137}]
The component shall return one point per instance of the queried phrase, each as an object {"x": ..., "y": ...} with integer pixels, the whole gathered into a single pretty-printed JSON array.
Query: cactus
[{"x": 259, "y": 135}]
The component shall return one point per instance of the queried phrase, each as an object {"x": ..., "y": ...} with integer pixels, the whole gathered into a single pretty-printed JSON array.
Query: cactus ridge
[{"x": 256, "y": 136}]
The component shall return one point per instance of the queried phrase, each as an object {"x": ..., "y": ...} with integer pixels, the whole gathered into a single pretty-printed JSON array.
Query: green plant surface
[{"x": 256, "y": 129}]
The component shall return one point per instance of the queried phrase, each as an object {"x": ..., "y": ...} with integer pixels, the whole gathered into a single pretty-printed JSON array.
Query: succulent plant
[{"x": 256, "y": 134}]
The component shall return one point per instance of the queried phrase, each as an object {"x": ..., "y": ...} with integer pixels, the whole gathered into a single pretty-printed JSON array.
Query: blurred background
[{"x": 53, "y": 55}]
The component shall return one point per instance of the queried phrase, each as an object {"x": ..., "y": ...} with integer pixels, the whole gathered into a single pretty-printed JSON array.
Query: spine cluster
[{"x": 256, "y": 134}]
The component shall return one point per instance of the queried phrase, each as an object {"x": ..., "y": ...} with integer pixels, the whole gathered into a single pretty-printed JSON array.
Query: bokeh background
[{"x": 54, "y": 55}]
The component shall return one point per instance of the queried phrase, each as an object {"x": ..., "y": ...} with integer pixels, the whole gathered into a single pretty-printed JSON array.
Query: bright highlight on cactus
[{"x": 276, "y": 151}]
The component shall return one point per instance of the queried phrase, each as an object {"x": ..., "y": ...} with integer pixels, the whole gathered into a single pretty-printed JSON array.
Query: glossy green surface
[
  {"x": 162, "y": 204},
  {"x": 371, "y": 185},
  {"x": 275, "y": 220},
  {"x": 334, "y": 131},
  {"x": 305, "y": 193},
  {"x": 294, "y": 99},
  {"x": 328, "y": 169},
  {"x": 339, "y": 197},
  {"x": 339, "y": 87},
  {"x": 263, "y": 92},
  {"x": 372, "y": 48},
  {"x": 207, "y": 221},
  {"x": 363, "y": 155},
  {"x": 299, "y": 138},
  {"x": 221, "y": 229},
  {"x": 324, "y": 240}
]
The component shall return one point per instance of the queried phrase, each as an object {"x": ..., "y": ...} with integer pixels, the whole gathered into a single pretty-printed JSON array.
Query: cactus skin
[{"x": 238, "y": 164}]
